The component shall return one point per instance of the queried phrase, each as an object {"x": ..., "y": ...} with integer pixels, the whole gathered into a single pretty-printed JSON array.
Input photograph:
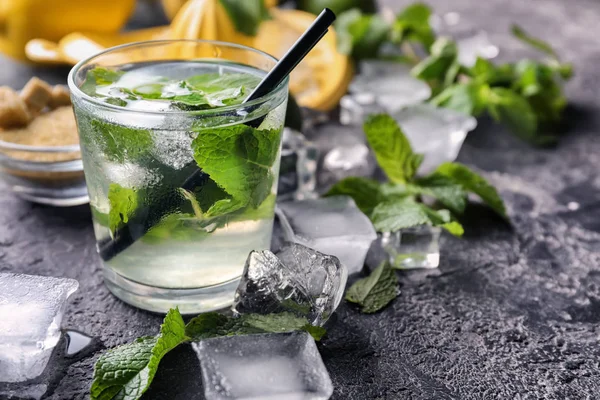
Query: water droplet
[{"x": 76, "y": 342}]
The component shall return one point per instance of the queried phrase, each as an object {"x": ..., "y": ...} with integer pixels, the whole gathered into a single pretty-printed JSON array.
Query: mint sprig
[
  {"x": 526, "y": 96},
  {"x": 126, "y": 372},
  {"x": 407, "y": 200},
  {"x": 376, "y": 291}
]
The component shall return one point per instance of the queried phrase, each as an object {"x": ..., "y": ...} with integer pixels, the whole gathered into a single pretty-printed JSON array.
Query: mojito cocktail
[{"x": 181, "y": 173}]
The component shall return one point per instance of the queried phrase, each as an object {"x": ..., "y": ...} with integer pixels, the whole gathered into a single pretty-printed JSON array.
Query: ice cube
[
  {"x": 29, "y": 392},
  {"x": 297, "y": 279},
  {"x": 331, "y": 225},
  {"x": 475, "y": 44},
  {"x": 471, "y": 42},
  {"x": 345, "y": 153},
  {"x": 173, "y": 148},
  {"x": 298, "y": 168},
  {"x": 355, "y": 108},
  {"x": 381, "y": 86},
  {"x": 411, "y": 248},
  {"x": 130, "y": 175},
  {"x": 345, "y": 161},
  {"x": 31, "y": 309},
  {"x": 438, "y": 133},
  {"x": 331, "y": 135},
  {"x": 275, "y": 366}
]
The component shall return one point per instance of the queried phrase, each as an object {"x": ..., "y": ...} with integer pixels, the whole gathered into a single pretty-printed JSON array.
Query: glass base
[{"x": 160, "y": 300}]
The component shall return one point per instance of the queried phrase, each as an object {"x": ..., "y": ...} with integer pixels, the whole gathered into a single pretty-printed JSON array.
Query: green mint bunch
[
  {"x": 126, "y": 372},
  {"x": 526, "y": 96},
  {"x": 407, "y": 200}
]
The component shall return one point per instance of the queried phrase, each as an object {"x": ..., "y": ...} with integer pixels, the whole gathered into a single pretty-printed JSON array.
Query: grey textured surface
[{"x": 512, "y": 313}]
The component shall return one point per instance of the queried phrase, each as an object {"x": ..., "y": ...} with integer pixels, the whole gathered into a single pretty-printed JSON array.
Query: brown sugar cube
[
  {"x": 36, "y": 94},
  {"x": 60, "y": 97},
  {"x": 13, "y": 111}
]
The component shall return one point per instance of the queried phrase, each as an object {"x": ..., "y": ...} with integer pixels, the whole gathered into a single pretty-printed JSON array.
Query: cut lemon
[{"x": 318, "y": 82}]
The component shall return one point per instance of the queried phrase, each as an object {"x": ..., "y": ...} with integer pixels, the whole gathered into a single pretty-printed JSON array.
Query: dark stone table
[{"x": 512, "y": 313}]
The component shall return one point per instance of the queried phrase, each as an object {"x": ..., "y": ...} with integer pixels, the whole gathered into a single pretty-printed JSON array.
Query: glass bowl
[{"x": 51, "y": 175}]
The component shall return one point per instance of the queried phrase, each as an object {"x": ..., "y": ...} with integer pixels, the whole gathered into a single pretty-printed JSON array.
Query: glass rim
[{"x": 77, "y": 92}]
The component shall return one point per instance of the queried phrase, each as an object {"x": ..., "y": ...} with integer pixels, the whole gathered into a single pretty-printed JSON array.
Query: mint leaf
[
  {"x": 264, "y": 211},
  {"x": 364, "y": 191},
  {"x": 123, "y": 204},
  {"x": 211, "y": 325},
  {"x": 399, "y": 213},
  {"x": 396, "y": 214},
  {"x": 454, "y": 228},
  {"x": 467, "y": 98},
  {"x": 435, "y": 67},
  {"x": 474, "y": 183},
  {"x": 536, "y": 43},
  {"x": 214, "y": 83},
  {"x": 150, "y": 91},
  {"x": 208, "y": 194},
  {"x": 208, "y": 325},
  {"x": 180, "y": 227},
  {"x": 126, "y": 372},
  {"x": 512, "y": 109},
  {"x": 99, "y": 217},
  {"x": 360, "y": 35},
  {"x": 119, "y": 143},
  {"x": 445, "y": 190},
  {"x": 99, "y": 76},
  {"x": 115, "y": 101},
  {"x": 276, "y": 323},
  {"x": 392, "y": 149},
  {"x": 375, "y": 291},
  {"x": 539, "y": 84},
  {"x": 413, "y": 24},
  {"x": 119, "y": 366},
  {"x": 239, "y": 159},
  {"x": 246, "y": 15},
  {"x": 443, "y": 219}
]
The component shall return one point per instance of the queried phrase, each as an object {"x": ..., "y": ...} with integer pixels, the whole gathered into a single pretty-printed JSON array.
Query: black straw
[
  {"x": 295, "y": 54},
  {"x": 124, "y": 237}
]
